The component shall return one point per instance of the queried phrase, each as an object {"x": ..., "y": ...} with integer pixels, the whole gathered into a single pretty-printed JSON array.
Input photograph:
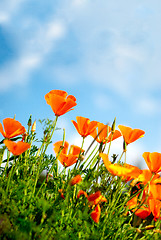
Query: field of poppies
[{"x": 96, "y": 194}]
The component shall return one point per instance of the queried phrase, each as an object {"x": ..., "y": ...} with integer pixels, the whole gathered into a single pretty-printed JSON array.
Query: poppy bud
[
  {"x": 33, "y": 126},
  {"x": 113, "y": 126}
]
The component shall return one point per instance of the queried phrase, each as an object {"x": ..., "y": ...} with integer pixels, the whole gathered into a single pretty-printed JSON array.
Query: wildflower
[
  {"x": 75, "y": 180},
  {"x": 61, "y": 193},
  {"x": 126, "y": 171},
  {"x": 96, "y": 198},
  {"x": 146, "y": 176},
  {"x": 66, "y": 158},
  {"x": 130, "y": 135},
  {"x": 60, "y": 102},
  {"x": 101, "y": 134},
  {"x": 12, "y": 128},
  {"x": 95, "y": 215},
  {"x": 84, "y": 127},
  {"x": 155, "y": 206},
  {"x": 153, "y": 160},
  {"x": 16, "y": 148},
  {"x": 140, "y": 210},
  {"x": 81, "y": 192}
]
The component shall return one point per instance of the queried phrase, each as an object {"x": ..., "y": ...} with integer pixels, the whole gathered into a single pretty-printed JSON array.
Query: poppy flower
[
  {"x": 96, "y": 198},
  {"x": 12, "y": 128},
  {"x": 126, "y": 171},
  {"x": 155, "y": 206},
  {"x": 153, "y": 160},
  {"x": 95, "y": 215},
  {"x": 145, "y": 176},
  {"x": 141, "y": 211},
  {"x": 81, "y": 192},
  {"x": 60, "y": 102},
  {"x": 84, "y": 127},
  {"x": 130, "y": 135},
  {"x": 75, "y": 180},
  {"x": 67, "y": 158},
  {"x": 16, "y": 148},
  {"x": 155, "y": 190},
  {"x": 101, "y": 133}
]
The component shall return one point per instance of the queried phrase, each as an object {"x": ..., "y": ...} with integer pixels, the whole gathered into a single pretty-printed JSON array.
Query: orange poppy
[
  {"x": 155, "y": 206},
  {"x": 75, "y": 180},
  {"x": 67, "y": 158},
  {"x": 155, "y": 190},
  {"x": 96, "y": 198},
  {"x": 84, "y": 127},
  {"x": 153, "y": 160},
  {"x": 12, "y": 128},
  {"x": 143, "y": 211},
  {"x": 60, "y": 102},
  {"x": 145, "y": 176},
  {"x": 16, "y": 148},
  {"x": 130, "y": 135},
  {"x": 81, "y": 192},
  {"x": 113, "y": 136},
  {"x": 95, "y": 215},
  {"x": 101, "y": 134},
  {"x": 126, "y": 171}
]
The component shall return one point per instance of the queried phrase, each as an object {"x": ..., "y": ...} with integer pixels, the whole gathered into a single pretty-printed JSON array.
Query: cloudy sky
[{"x": 105, "y": 53}]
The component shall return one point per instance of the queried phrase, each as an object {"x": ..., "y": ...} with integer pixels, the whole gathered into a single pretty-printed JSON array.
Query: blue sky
[{"x": 105, "y": 53}]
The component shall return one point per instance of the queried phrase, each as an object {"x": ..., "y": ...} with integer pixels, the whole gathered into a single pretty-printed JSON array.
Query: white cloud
[
  {"x": 17, "y": 71},
  {"x": 8, "y": 9},
  {"x": 146, "y": 105},
  {"x": 32, "y": 54}
]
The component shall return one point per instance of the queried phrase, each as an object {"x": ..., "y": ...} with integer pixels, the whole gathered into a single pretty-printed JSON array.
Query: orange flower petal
[
  {"x": 84, "y": 127},
  {"x": 12, "y": 128},
  {"x": 95, "y": 215},
  {"x": 81, "y": 192},
  {"x": 58, "y": 146},
  {"x": 105, "y": 159},
  {"x": 75, "y": 180},
  {"x": 130, "y": 135},
  {"x": 65, "y": 158},
  {"x": 153, "y": 161},
  {"x": 100, "y": 135},
  {"x": 155, "y": 206},
  {"x": 94, "y": 196},
  {"x": 116, "y": 135},
  {"x": 59, "y": 101},
  {"x": 16, "y": 148}
]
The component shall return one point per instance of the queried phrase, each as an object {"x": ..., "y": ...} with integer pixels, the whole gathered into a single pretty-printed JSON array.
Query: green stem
[
  {"x": 79, "y": 155},
  {"x": 10, "y": 174},
  {"x": 121, "y": 156}
]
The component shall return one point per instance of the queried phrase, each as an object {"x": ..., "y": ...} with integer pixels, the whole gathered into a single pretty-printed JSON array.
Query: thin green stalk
[
  {"x": 79, "y": 155},
  {"x": 121, "y": 156},
  {"x": 90, "y": 157},
  {"x": 11, "y": 173},
  {"x": 53, "y": 127},
  {"x": 42, "y": 154},
  {"x": 109, "y": 146}
]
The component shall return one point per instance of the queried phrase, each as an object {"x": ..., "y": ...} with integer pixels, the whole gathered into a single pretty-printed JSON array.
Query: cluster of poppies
[{"x": 147, "y": 199}]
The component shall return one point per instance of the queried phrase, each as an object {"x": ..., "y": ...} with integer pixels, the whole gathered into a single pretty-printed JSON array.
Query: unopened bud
[
  {"x": 29, "y": 121},
  {"x": 113, "y": 126},
  {"x": 33, "y": 129}
]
